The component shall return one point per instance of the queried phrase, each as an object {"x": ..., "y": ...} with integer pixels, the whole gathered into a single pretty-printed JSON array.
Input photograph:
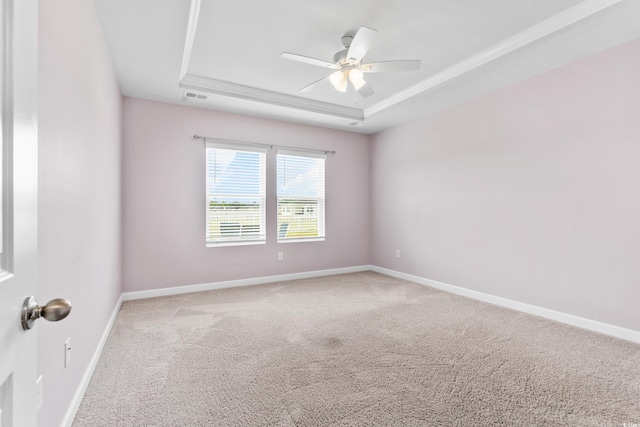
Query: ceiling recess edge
[{"x": 549, "y": 26}]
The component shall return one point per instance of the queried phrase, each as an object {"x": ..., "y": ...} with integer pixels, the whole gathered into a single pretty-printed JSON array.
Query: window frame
[
  {"x": 320, "y": 198},
  {"x": 233, "y": 240}
]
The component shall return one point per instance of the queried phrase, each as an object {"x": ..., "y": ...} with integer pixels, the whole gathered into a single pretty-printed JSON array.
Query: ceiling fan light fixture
[
  {"x": 336, "y": 78},
  {"x": 357, "y": 78},
  {"x": 342, "y": 87},
  {"x": 349, "y": 66}
]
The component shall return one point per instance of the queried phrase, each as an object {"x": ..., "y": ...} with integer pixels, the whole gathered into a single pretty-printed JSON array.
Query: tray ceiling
[{"x": 227, "y": 53}]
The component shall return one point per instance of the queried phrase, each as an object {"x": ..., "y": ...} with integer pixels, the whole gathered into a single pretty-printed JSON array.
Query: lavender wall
[
  {"x": 79, "y": 198},
  {"x": 164, "y": 208},
  {"x": 529, "y": 193}
]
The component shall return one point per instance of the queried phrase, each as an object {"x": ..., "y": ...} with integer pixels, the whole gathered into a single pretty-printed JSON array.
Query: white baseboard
[
  {"x": 127, "y": 296},
  {"x": 67, "y": 421},
  {"x": 569, "y": 319}
]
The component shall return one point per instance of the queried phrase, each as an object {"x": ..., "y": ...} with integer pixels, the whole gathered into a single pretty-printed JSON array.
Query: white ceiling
[{"x": 229, "y": 50}]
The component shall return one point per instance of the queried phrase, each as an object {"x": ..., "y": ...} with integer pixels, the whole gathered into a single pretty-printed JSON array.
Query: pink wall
[
  {"x": 164, "y": 188},
  {"x": 529, "y": 193},
  {"x": 79, "y": 196}
]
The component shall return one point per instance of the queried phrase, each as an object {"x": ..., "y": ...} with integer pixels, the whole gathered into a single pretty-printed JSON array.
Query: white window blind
[
  {"x": 235, "y": 200},
  {"x": 301, "y": 196}
]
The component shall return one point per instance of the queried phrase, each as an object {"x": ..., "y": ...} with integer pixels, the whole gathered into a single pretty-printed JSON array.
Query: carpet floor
[{"x": 359, "y": 349}]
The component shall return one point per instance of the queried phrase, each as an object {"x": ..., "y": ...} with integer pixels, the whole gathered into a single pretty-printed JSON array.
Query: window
[
  {"x": 300, "y": 196},
  {"x": 235, "y": 200}
]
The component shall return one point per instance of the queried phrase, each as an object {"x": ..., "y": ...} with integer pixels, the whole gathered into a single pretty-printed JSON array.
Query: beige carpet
[{"x": 358, "y": 349}]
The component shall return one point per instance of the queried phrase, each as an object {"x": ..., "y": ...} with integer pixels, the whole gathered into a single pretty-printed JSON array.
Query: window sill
[
  {"x": 238, "y": 243},
  {"x": 314, "y": 239}
]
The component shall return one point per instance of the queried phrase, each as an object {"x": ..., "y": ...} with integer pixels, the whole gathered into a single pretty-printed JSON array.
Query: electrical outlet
[
  {"x": 397, "y": 253},
  {"x": 67, "y": 352},
  {"x": 280, "y": 256},
  {"x": 39, "y": 393}
]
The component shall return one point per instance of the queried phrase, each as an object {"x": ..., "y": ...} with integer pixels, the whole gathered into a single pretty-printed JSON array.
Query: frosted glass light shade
[
  {"x": 336, "y": 78},
  {"x": 342, "y": 87},
  {"x": 356, "y": 78}
]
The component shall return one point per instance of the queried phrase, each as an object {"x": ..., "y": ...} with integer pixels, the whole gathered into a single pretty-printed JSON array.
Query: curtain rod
[{"x": 205, "y": 138}]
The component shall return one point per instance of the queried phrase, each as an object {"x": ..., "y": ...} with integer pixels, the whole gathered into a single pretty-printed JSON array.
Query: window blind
[
  {"x": 235, "y": 194},
  {"x": 301, "y": 195}
]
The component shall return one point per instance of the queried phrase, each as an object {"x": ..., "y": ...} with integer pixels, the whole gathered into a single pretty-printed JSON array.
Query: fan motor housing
[
  {"x": 346, "y": 40},
  {"x": 340, "y": 58}
]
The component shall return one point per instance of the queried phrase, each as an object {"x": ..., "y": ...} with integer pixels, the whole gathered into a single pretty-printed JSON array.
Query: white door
[{"x": 18, "y": 215}]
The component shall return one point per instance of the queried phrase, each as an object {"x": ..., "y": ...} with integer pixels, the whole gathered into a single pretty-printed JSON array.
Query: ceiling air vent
[{"x": 193, "y": 95}]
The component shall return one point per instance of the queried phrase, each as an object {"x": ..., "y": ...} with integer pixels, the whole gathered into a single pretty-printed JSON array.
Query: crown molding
[
  {"x": 549, "y": 26},
  {"x": 220, "y": 87},
  {"x": 545, "y": 28},
  {"x": 192, "y": 25},
  {"x": 249, "y": 93}
]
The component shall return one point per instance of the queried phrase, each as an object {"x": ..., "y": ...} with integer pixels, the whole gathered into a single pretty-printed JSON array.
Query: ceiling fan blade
[
  {"x": 391, "y": 66},
  {"x": 309, "y": 60},
  {"x": 366, "y": 90},
  {"x": 315, "y": 84},
  {"x": 361, "y": 43}
]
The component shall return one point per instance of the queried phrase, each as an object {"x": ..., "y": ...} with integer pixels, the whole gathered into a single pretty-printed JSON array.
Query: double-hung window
[
  {"x": 301, "y": 200},
  {"x": 235, "y": 199}
]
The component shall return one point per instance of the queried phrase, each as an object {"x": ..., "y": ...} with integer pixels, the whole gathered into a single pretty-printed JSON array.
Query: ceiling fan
[{"x": 348, "y": 63}]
